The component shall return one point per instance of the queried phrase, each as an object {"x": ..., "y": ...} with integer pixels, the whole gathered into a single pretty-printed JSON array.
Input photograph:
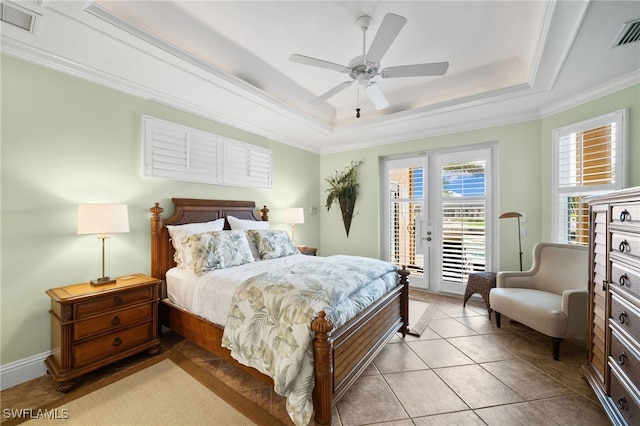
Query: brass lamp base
[{"x": 103, "y": 281}]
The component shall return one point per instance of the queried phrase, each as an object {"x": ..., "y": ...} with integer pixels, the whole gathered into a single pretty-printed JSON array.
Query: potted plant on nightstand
[{"x": 343, "y": 189}]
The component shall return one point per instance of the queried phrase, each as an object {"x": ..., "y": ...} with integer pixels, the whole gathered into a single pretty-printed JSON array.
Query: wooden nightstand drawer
[
  {"x": 111, "y": 321},
  {"x": 110, "y": 344},
  {"x": 103, "y": 304},
  {"x": 92, "y": 327}
]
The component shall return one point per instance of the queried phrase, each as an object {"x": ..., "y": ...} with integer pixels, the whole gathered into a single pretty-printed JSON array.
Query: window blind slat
[
  {"x": 586, "y": 157},
  {"x": 177, "y": 152}
]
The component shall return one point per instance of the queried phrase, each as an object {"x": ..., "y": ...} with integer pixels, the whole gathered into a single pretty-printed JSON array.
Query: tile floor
[{"x": 461, "y": 371}]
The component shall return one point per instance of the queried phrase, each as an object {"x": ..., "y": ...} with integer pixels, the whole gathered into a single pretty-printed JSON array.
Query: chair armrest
[
  {"x": 575, "y": 305},
  {"x": 516, "y": 279},
  {"x": 574, "y": 299}
]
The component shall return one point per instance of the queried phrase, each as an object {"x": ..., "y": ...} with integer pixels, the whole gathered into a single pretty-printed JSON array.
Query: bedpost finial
[
  {"x": 265, "y": 213},
  {"x": 322, "y": 324},
  {"x": 156, "y": 210}
]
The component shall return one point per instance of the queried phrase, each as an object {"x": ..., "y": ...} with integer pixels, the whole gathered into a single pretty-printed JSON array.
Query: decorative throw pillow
[
  {"x": 178, "y": 234},
  {"x": 218, "y": 249},
  {"x": 245, "y": 225},
  {"x": 272, "y": 243}
]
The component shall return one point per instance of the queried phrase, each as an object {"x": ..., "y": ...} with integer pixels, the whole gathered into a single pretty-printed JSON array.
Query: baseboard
[{"x": 22, "y": 370}]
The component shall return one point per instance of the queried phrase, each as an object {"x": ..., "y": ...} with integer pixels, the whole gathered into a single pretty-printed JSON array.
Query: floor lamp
[{"x": 518, "y": 216}]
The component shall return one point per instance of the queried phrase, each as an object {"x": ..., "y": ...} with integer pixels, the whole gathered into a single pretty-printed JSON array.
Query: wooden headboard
[{"x": 188, "y": 210}]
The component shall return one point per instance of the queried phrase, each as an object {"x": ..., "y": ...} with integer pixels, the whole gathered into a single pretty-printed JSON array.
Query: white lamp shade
[
  {"x": 103, "y": 218},
  {"x": 294, "y": 215}
]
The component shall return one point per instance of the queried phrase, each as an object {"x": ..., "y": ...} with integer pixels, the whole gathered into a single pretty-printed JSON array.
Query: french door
[
  {"x": 407, "y": 240},
  {"x": 437, "y": 217}
]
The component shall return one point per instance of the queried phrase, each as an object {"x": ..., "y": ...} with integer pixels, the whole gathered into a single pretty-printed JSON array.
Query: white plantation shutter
[
  {"x": 589, "y": 159},
  {"x": 177, "y": 152},
  {"x": 406, "y": 206},
  {"x": 463, "y": 219},
  {"x": 246, "y": 165}
]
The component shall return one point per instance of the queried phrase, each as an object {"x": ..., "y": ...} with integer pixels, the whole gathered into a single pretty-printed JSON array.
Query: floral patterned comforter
[{"x": 269, "y": 322}]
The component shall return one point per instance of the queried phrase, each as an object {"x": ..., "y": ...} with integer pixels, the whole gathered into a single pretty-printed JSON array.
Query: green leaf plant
[{"x": 343, "y": 189}]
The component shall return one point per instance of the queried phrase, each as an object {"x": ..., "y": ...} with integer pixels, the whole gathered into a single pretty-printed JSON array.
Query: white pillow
[
  {"x": 247, "y": 225},
  {"x": 179, "y": 234}
]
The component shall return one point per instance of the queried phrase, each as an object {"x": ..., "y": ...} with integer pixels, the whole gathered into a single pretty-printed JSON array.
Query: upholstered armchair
[{"x": 551, "y": 297}]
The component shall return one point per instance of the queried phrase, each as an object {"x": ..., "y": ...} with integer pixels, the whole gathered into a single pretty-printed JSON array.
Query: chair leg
[
  {"x": 556, "y": 347},
  {"x": 498, "y": 318}
]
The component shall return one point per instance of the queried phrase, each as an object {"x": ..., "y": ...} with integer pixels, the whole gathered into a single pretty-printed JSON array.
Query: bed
[{"x": 340, "y": 355}]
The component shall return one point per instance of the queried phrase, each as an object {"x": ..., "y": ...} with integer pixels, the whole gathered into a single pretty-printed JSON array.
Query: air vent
[
  {"x": 17, "y": 17},
  {"x": 629, "y": 33}
]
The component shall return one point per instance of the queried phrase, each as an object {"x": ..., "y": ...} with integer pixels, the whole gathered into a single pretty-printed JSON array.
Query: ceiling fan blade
[
  {"x": 376, "y": 96},
  {"x": 340, "y": 87},
  {"x": 387, "y": 33},
  {"x": 301, "y": 59},
  {"x": 417, "y": 70}
]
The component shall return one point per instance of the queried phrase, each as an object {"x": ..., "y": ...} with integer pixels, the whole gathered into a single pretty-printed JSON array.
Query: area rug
[
  {"x": 420, "y": 314},
  {"x": 169, "y": 389}
]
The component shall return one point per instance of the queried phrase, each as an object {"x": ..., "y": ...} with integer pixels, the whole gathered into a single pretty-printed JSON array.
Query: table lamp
[
  {"x": 293, "y": 216},
  {"x": 102, "y": 219}
]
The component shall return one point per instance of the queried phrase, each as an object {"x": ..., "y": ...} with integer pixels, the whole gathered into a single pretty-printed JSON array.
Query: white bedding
[{"x": 209, "y": 295}]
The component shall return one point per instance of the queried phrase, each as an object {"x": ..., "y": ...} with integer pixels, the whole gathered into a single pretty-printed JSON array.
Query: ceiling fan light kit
[{"x": 365, "y": 67}]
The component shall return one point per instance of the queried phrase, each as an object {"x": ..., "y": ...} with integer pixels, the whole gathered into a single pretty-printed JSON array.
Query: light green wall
[
  {"x": 518, "y": 156},
  {"x": 66, "y": 141},
  {"x": 524, "y": 178}
]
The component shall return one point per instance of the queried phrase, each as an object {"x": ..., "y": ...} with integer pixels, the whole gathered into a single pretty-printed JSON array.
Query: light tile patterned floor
[{"x": 461, "y": 371}]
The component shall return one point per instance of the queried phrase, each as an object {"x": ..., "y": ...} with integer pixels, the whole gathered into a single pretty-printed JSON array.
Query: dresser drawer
[
  {"x": 102, "y": 304},
  {"x": 111, "y": 344},
  {"x": 625, "y": 278},
  {"x": 625, "y": 315},
  {"x": 625, "y": 400},
  {"x": 111, "y": 321},
  {"x": 626, "y": 246},
  {"x": 626, "y": 356},
  {"x": 626, "y": 214}
]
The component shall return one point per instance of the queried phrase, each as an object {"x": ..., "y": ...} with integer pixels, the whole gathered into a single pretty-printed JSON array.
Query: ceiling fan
[{"x": 365, "y": 67}]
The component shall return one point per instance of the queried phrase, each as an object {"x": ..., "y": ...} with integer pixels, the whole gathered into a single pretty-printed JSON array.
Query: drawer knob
[
  {"x": 624, "y": 215},
  {"x": 624, "y": 246},
  {"x": 115, "y": 320},
  {"x": 622, "y": 317},
  {"x": 622, "y": 401},
  {"x": 118, "y": 301},
  {"x": 623, "y": 280},
  {"x": 117, "y": 341},
  {"x": 622, "y": 358}
]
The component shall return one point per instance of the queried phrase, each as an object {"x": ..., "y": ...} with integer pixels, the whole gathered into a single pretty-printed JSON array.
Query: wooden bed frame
[{"x": 340, "y": 355}]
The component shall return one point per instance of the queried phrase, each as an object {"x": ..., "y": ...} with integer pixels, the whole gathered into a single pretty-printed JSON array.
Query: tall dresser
[{"x": 613, "y": 340}]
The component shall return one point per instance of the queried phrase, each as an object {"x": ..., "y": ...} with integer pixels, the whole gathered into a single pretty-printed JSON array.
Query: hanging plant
[{"x": 343, "y": 189}]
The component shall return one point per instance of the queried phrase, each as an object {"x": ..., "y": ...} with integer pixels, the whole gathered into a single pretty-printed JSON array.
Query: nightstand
[
  {"x": 95, "y": 326},
  {"x": 309, "y": 251}
]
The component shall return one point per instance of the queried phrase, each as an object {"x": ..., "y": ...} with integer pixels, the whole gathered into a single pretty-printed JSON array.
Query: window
[
  {"x": 589, "y": 159},
  {"x": 406, "y": 193},
  {"x": 463, "y": 219},
  {"x": 176, "y": 152}
]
